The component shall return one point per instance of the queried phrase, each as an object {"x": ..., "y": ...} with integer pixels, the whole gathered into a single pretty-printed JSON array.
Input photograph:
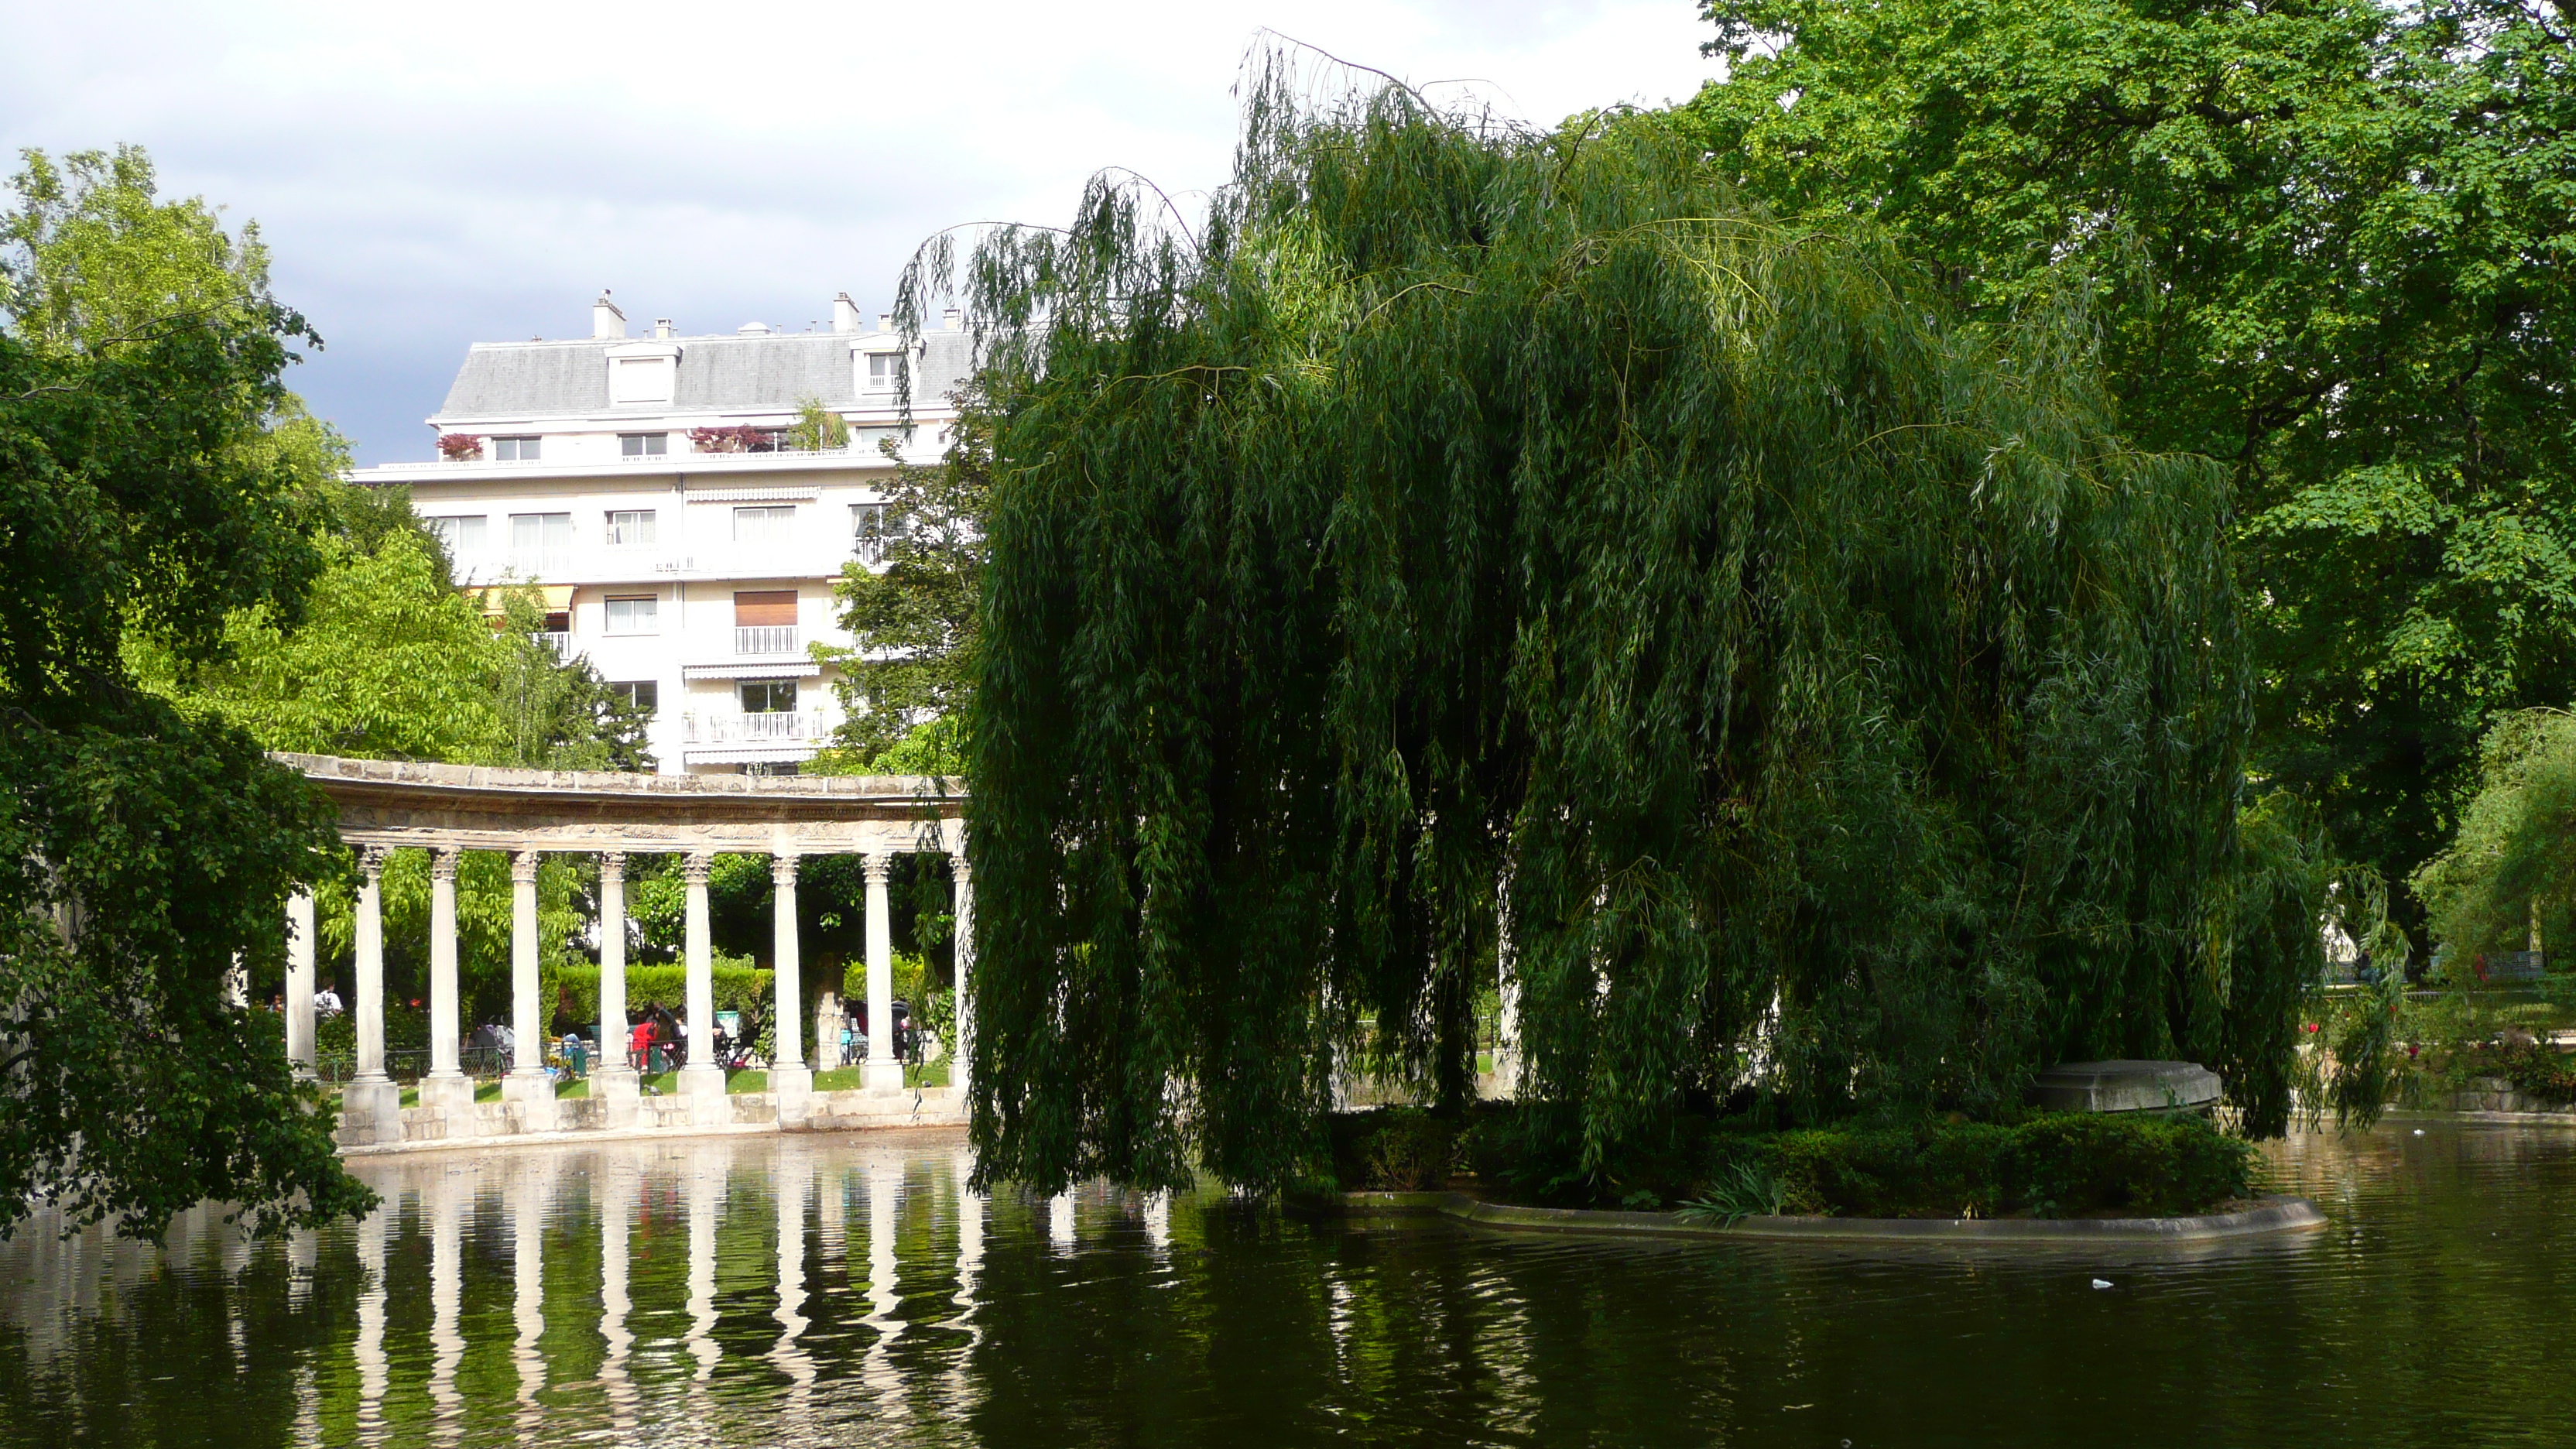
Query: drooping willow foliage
[{"x": 1474, "y": 553}]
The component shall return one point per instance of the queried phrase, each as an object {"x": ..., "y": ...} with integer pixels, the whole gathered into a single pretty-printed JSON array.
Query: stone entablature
[{"x": 477, "y": 807}]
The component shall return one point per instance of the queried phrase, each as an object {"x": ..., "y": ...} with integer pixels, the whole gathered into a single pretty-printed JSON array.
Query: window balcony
[
  {"x": 765, "y": 639},
  {"x": 557, "y": 640},
  {"x": 774, "y": 727}
]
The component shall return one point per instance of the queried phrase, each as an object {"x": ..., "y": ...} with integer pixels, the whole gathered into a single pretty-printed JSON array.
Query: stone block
[
  {"x": 792, "y": 1089},
  {"x": 370, "y": 1113},
  {"x": 450, "y": 1096},
  {"x": 2126, "y": 1086},
  {"x": 533, "y": 1094},
  {"x": 617, "y": 1090}
]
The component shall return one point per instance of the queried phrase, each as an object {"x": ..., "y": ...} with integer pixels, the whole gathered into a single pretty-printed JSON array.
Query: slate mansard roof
[{"x": 720, "y": 374}]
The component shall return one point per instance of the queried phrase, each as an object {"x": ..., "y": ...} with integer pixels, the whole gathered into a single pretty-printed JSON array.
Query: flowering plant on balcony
[
  {"x": 459, "y": 447},
  {"x": 728, "y": 440}
]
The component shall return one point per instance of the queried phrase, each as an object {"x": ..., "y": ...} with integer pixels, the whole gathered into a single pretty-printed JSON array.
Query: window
[
  {"x": 768, "y": 696},
  {"x": 515, "y": 450},
  {"x": 763, "y": 525},
  {"x": 644, "y": 696},
  {"x": 465, "y": 536},
  {"x": 537, "y": 534},
  {"x": 640, "y": 614},
  {"x": 885, "y": 371},
  {"x": 631, "y": 529},
  {"x": 764, "y": 621},
  {"x": 872, "y": 527},
  {"x": 643, "y": 445}
]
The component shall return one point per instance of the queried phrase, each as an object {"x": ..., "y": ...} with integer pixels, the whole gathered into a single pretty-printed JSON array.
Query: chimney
[
  {"x": 605, "y": 319},
  {"x": 752, "y": 329},
  {"x": 952, "y": 319},
  {"x": 845, "y": 314},
  {"x": 662, "y": 327}
]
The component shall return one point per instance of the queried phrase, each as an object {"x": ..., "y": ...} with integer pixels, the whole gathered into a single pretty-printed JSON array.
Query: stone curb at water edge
[{"x": 2275, "y": 1215}]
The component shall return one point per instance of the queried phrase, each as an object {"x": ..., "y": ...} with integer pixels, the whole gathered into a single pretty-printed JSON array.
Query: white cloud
[{"x": 433, "y": 175}]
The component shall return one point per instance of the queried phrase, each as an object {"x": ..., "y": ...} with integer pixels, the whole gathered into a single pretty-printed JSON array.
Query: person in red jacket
[{"x": 639, "y": 1046}]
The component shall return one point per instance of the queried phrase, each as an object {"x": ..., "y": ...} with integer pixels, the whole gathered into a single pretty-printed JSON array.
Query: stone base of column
[
  {"x": 534, "y": 1091},
  {"x": 452, "y": 1093},
  {"x": 884, "y": 1076},
  {"x": 795, "y": 1088},
  {"x": 370, "y": 1112},
  {"x": 704, "y": 1087},
  {"x": 619, "y": 1090}
]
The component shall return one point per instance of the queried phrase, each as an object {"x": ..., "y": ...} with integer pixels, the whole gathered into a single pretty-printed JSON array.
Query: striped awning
[{"x": 773, "y": 669}]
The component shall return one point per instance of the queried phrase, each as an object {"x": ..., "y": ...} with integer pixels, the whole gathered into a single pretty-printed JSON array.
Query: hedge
[
  {"x": 2042, "y": 1164},
  {"x": 738, "y": 987}
]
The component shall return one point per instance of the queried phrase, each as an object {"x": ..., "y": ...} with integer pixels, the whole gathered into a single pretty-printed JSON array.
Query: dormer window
[
  {"x": 643, "y": 372},
  {"x": 885, "y": 371}
]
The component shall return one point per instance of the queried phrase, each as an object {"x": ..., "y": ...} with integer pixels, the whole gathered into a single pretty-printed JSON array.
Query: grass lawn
[{"x": 850, "y": 1079}]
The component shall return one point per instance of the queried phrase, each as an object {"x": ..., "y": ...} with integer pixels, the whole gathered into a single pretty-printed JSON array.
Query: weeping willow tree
[{"x": 1474, "y": 551}]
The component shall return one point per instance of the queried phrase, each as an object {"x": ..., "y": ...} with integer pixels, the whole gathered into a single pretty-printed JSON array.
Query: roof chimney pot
[
  {"x": 952, "y": 319},
  {"x": 605, "y": 319}
]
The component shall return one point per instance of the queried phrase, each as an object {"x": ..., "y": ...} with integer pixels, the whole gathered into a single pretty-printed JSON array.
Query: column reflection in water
[
  {"x": 528, "y": 1275},
  {"x": 791, "y": 1175},
  {"x": 1060, "y": 1220},
  {"x": 705, "y": 1165},
  {"x": 617, "y": 1178},
  {"x": 446, "y": 1297},
  {"x": 371, "y": 1325},
  {"x": 885, "y": 1186},
  {"x": 1158, "y": 1223}
]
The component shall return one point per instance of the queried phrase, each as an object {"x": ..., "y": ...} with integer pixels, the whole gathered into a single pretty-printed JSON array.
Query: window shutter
[{"x": 764, "y": 607}]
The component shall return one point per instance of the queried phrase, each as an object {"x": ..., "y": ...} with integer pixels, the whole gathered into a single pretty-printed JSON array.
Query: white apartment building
[{"x": 694, "y": 580}]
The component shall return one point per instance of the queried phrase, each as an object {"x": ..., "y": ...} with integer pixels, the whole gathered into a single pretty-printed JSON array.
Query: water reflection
[{"x": 855, "y": 1291}]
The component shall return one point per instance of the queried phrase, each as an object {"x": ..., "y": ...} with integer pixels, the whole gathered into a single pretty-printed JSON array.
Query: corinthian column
[
  {"x": 371, "y": 1105},
  {"x": 614, "y": 1082},
  {"x": 789, "y": 1077},
  {"x": 299, "y": 982},
  {"x": 527, "y": 1084},
  {"x": 960, "y": 1051},
  {"x": 702, "y": 1081},
  {"x": 445, "y": 1088},
  {"x": 884, "y": 1073}
]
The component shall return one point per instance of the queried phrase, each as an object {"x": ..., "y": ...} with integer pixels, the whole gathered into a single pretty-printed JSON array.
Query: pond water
[{"x": 765, "y": 1290}]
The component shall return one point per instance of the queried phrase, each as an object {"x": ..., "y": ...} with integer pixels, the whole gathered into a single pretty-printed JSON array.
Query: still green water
[{"x": 759, "y": 1291}]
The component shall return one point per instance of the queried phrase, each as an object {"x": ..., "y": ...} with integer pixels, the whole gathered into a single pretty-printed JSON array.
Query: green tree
[
  {"x": 388, "y": 662},
  {"x": 2330, "y": 242},
  {"x": 2508, "y": 874},
  {"x": 148, "y": 848},
  {"x": 1472, "y": 543},
  {"x": 906, "y": 678}
]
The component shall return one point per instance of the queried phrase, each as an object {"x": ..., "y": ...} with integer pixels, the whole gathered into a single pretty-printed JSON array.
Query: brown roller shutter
[{"x": 764, "y": 607}]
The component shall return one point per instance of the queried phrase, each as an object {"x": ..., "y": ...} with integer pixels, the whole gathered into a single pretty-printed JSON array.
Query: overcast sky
[{"x": 428, "y": 176}]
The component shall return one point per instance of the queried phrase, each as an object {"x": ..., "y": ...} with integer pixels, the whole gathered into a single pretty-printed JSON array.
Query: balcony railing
[
  {"x": 558, "y": 640},
  {"x": 764, "y": 639},
  {"x": 753, "y": 729},
  {"x": 540, "y": 563}
]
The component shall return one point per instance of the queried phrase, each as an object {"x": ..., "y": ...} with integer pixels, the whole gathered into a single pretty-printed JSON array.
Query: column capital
[
  {"x": 782, "y": 869},
  {"x": 697, "y": 865},
  {"x": 523, "y": 865},
  {"x": 875, "y": 867},
  {"x": 958, "y": 870},
  {"x": 612, "y": 862},
  {"x": 442, "y": 862},
  {"x": 371, "y": 859}
]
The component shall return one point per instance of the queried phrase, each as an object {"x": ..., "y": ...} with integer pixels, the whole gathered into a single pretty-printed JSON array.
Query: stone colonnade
[{"x": 449, "y": 809}]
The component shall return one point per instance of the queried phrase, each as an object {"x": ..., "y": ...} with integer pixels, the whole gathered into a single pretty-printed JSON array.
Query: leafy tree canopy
[
  {"x": 2508, "y": 874},
  {"x": 1471, "y": 547},
  {"x": 145, "y": 493},
  {"x": 2331, "y": 241}
]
